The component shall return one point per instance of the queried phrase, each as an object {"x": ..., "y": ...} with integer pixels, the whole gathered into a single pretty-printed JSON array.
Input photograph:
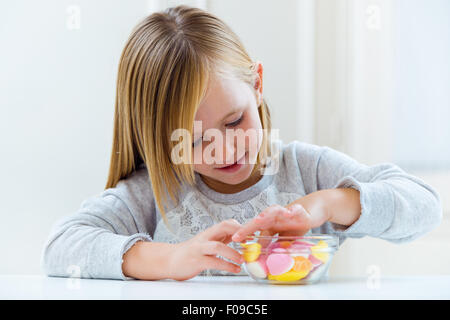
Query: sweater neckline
[{"x": 232, "y": 198}]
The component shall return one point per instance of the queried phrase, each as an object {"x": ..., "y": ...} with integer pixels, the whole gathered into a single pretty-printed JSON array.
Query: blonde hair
[{"x": 162, "y": 77}]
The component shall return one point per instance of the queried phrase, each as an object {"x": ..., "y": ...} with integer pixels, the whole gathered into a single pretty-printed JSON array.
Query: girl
[{"x": 162, "y": 218}]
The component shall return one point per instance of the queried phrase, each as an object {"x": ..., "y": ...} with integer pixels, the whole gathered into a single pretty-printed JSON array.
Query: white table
[{"x": 223, "y": 288}]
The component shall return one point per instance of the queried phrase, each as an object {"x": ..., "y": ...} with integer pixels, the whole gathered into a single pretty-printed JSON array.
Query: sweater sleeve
[
  {"x": 91, "y": 242},
  {"x": 395, "y": 206}
]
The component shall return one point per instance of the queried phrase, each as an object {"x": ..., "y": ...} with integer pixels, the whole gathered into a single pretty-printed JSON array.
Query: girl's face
[{"x": 228, "y": 104}]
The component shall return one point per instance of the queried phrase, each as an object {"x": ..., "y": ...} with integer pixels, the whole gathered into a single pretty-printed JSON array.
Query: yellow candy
[
  {"x": 289, "y": 276},
  {"x": 322, "y": 256},
  {"x": 251, "y": 251}
]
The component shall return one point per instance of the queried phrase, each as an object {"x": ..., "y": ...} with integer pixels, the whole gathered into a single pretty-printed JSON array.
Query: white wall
[
  {"x": 387, "y": 87},
  {"x": 422, "y": 111},
  {"x": 57, "y": 102}
]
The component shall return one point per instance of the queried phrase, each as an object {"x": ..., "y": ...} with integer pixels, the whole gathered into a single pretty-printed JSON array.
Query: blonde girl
[{"x": 160, "y": 217}]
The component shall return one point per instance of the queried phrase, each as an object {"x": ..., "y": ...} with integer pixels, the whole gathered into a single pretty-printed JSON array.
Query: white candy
[{"x": 256, "y": 269}]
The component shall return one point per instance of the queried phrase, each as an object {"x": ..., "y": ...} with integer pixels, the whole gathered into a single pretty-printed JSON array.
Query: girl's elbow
[
  {"x": 433, "y": 212},
  {"x": 437, "y": 212}
]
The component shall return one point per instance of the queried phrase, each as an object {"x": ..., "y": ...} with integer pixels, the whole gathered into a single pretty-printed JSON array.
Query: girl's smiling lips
[{"x": 234, "y": 166}]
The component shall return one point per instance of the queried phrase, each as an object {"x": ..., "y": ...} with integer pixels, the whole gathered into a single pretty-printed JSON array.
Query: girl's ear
[{"x": 258, "y": 83}]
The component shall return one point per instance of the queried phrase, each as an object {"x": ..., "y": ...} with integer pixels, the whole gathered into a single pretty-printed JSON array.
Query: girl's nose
[
  {"x": 229, "y": 152},
  {"x": 234, "y": 149}
]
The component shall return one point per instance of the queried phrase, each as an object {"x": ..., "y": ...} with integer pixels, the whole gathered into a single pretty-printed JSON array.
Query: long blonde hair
[{"x": 162, "y": 77}]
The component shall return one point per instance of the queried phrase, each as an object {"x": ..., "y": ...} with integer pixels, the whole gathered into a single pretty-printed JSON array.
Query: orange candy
[
  {"x": 302, "y": 264},
  {"x": 285, "y": 244}
]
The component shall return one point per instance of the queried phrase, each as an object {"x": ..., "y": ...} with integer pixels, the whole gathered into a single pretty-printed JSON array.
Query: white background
[{"x": 369, "y": 78}]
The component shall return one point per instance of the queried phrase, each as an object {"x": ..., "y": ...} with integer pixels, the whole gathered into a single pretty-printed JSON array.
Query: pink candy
[
  {"x": 314, "y": 260},
  {"x": 279, "y": 263}
]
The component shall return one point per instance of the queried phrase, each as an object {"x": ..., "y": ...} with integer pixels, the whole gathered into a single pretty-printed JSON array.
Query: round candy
[
  {"x": 273, "y": 245},
  {"x": 302, "y": 264},
  {"x": 322, "y": 256},
  {"x": 303, "y": 243},
  {"x": 279, "y": 263},
  {"x": 251, "y": 251},
  {"x": 285, "y": 244},
  {"x": 314, "y": 260},
  {"x": 279, "y": 250},
  {"x": 288, "y": 276},
  {"x": 258, "y": 268}
]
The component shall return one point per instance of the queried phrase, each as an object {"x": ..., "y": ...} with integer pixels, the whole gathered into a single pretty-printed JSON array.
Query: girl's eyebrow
[{"x": 230, "y": 113}]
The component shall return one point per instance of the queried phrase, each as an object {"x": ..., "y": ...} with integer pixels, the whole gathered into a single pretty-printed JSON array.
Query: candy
[
  {"x": 279, "y": 263},
  {"x": 273, "y": 245},
  {"x": 258, "y": 268},
  {"x": 285, "y": 244},
  {"x": 302, "y": 264},
  {"x": 314, "y": 260},
  {"x": 288, "y": 276},
  {"x": 303, "y": 243},
  {"x": 322, "y": 256},
  {"x": 279, "y": 250},
  {"x": 295, "y": 261},
  {"x": 251, "y": 251}
]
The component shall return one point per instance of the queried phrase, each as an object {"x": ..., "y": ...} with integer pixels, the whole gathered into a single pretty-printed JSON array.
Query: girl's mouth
[{"x": 235, "y": 166}]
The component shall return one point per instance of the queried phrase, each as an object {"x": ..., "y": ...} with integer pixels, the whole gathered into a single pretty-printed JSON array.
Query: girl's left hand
[{"x": 293, "y": 220}]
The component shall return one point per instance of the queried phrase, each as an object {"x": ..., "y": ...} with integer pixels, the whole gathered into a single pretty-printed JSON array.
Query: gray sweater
[{"x": 396, "y": 206}]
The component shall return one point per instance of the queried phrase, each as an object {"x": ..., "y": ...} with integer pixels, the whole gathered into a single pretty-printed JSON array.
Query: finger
[
  {"x": 220, "y": 264},
  {"x": 222, "y": 230},
  {"x": 263, "y": 221},
  {"x": 218, "y": 248},
  {"x": 297, "y": 219},
  {"x": 264, "y": 242}
]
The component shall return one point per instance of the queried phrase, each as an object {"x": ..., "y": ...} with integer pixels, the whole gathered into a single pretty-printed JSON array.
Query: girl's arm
[
  {"x": 340, "y": 206},
  {"x": 184, "y": 260},
  {"x": 351, "y": 199},
  {"x": 91, "y": 242},
  {"x": 395, "y": 206},
  {"x": 111, "y": 238}
]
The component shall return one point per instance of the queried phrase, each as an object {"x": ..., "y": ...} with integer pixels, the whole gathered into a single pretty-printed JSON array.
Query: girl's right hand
[{"x": 199, "y": 253}]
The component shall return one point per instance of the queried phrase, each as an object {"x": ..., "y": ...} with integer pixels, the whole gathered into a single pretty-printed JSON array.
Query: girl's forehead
[{"x": 222, "y": 96}]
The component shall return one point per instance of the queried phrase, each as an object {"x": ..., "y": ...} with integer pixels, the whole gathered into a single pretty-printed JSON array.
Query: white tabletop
[{"x": 223, "y": 288}]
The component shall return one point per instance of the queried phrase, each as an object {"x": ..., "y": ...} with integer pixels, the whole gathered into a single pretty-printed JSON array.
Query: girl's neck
[{"x": 233, "y": 188}]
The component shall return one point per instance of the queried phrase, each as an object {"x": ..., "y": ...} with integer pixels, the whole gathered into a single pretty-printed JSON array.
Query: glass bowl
[{"x": 288, "y": 259}]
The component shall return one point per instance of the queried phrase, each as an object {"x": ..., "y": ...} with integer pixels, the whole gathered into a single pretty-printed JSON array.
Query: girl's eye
[
  {"x": 235, "y": 123},
  {"x": 231, "y": 124}
]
